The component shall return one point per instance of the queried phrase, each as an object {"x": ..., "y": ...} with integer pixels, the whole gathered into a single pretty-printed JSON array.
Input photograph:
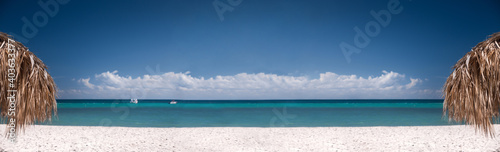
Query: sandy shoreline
[{"x": 425, "y": 138}]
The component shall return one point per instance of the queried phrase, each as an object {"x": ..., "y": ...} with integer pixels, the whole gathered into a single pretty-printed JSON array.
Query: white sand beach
[{"x": 425, "y": 138}]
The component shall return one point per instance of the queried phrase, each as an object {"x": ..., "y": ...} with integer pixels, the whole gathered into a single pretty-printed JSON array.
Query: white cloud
[
  {"x": 413, "y": 83},
  {"x": 86, "y": 83},
  {"x": 248, "y": 86}
]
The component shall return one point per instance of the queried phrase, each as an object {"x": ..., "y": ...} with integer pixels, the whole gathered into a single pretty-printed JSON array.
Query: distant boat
[
  {"x": 173, "y": 102},
  {"x": 134, "y": 101}
]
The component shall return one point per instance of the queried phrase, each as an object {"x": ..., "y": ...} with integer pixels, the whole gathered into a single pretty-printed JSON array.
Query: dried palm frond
[
  {"x": 472, "y": 92},
  {"x": 36, "y": 90}
]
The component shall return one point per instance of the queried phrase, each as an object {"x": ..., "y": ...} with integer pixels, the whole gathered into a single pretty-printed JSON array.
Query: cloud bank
[{"x": 249, "y": 86}]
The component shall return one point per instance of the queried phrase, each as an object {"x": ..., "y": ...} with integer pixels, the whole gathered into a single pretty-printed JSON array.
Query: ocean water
[{"x": 250, "y": 113}]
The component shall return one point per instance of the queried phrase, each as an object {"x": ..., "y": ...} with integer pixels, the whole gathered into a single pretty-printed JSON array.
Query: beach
[{"x": 417, "y": 138}]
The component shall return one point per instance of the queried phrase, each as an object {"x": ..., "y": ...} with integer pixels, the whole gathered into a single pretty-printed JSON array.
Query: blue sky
[{"x": 288, "y": 48}]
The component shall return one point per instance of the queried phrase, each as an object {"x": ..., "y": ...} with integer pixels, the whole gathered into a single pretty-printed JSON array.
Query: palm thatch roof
[
  {"x": 36, "y": 90},
  {"x": 472, "y": 92}
]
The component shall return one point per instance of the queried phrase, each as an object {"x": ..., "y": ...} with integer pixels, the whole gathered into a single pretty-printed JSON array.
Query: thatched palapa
[
  {"x": 35, "y": 99},
  {"x": 472, "y": 92}
]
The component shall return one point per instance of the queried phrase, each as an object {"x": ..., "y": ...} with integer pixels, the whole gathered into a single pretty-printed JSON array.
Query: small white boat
[
  {"x": 173, "y": 102},
  {"x": 134, "y": 101}
]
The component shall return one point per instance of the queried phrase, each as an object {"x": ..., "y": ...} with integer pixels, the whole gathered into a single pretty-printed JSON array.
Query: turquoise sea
[{"x": 250, "y": 113}]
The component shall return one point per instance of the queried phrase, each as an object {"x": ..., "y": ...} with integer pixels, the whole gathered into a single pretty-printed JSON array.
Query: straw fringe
[
  {"x": 472, "y": 92},
  {"x": 36, "y": 90}
]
